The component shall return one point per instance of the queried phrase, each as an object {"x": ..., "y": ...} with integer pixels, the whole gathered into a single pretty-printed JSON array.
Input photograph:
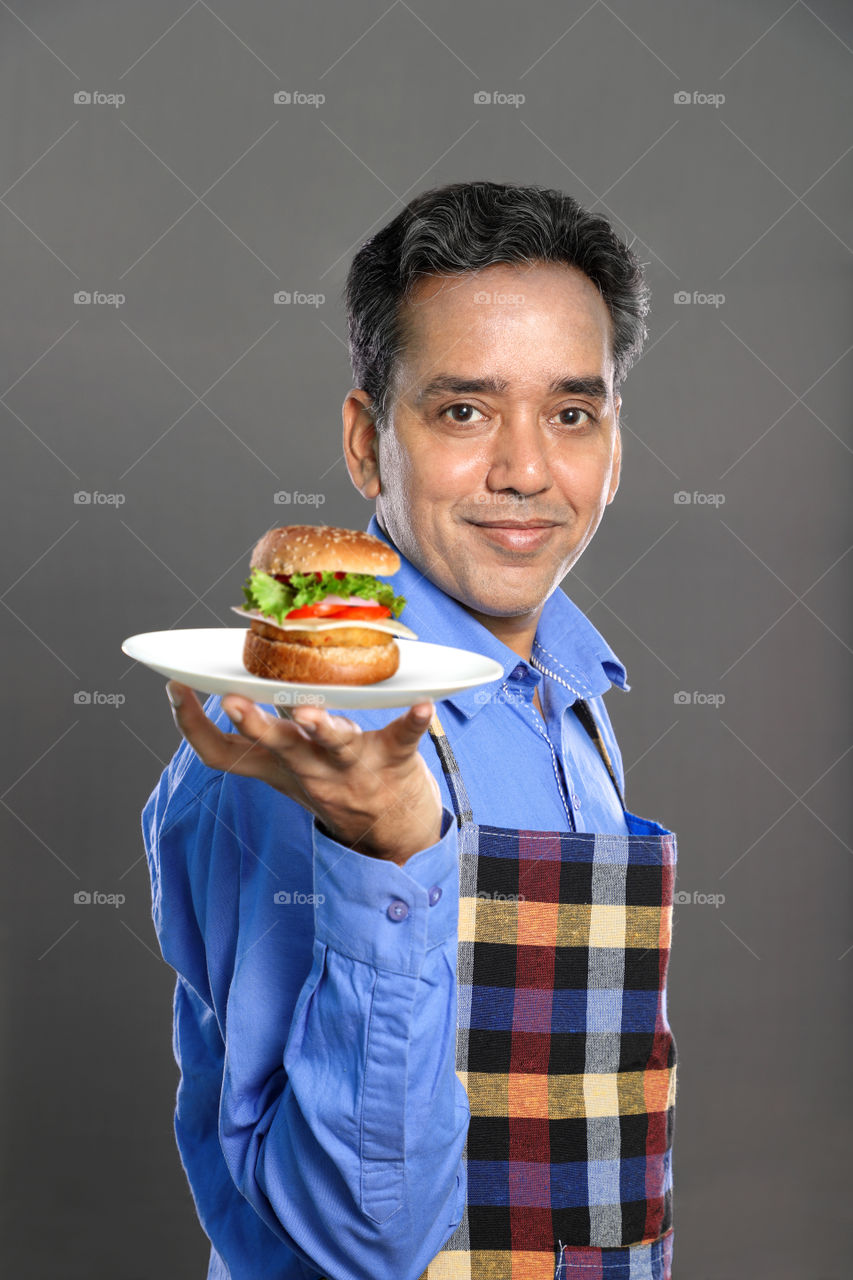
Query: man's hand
[{"x": 372, "y": 791}]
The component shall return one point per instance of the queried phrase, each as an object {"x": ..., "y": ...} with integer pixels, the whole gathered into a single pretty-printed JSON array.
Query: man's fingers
[
  {"x": 403, "y": 734},
  {"x": 261, "y": 738},
  {"x": 338, "y": 734},
  {"x": 215, "y": 749},
  {"x": 333, "y": 733}
]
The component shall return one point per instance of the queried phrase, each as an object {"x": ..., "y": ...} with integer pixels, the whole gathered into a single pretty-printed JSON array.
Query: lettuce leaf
[{"x": 276, "y": 599}]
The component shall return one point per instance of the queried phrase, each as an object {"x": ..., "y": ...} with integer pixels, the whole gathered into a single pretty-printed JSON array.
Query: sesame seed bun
[{"x": 308, "y": 548}]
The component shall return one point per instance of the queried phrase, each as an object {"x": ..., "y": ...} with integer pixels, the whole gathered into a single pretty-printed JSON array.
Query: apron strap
[
  {"x": 590, "y": 723},
  {"x": 450, "y": 766}
]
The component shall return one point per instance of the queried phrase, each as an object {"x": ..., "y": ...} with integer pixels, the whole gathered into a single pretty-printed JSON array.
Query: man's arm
[
  {"x": 342, "y": 1122},
  {"x": 359, "y": 1163}
]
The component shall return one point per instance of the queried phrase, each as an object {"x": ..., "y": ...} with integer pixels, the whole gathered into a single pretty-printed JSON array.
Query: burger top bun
[{"x": 308, "y": 548}]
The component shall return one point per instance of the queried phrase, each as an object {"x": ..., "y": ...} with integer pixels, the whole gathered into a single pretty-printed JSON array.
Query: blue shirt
[{"x": 319, "y": 1117}]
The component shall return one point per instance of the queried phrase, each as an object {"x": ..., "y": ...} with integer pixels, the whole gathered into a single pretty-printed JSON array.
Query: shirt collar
[{"x": 567, "y": 647}]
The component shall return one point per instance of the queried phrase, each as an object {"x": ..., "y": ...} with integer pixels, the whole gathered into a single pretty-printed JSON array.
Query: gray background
[{"x": 199, "y": 398}]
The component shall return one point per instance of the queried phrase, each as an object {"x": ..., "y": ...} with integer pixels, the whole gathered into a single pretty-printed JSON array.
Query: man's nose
[{"x": 520, "y": 455}]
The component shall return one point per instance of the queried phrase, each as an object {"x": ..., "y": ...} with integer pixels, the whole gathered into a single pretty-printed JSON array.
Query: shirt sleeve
[
  {"x": 340, "y": 1117},
  {"x": 360, "y": 1165}
]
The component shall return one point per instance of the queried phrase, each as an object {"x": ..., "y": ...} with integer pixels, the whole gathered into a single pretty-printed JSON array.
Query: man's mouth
[
  {"x": 515, "y": 524},
  {"x": 516, "y": 535}
]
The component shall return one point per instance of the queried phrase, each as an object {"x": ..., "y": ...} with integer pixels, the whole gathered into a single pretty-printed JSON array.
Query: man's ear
[
  {"x": 360, "y": 440},
  {"x": 617, "y": 454}
]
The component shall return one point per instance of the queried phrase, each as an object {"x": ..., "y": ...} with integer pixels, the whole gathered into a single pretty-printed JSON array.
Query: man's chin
[{"x": 503, "y": 608}]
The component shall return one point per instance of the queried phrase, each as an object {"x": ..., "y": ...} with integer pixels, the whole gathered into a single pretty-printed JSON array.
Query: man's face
[{"x": 481, "y": 433}]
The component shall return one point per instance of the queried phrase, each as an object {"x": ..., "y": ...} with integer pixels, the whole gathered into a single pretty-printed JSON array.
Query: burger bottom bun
[{"x": 332, "y": 664}]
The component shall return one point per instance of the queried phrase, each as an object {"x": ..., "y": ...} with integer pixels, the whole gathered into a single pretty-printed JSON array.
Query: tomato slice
[
  {"x": 354, "y": 613},
  {"x": 320, "y": 609},
  {"x": 364, "y": 612}
]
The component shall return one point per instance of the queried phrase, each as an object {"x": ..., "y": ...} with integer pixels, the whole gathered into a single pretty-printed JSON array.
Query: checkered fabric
[{"x": 564, "y": 1048}]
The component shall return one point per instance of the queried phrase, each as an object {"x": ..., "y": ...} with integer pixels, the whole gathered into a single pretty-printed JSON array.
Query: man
[{"x": 420, "y": 1012}]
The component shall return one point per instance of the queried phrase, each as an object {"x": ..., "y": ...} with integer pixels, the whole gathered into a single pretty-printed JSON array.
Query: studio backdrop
[{"x": 183, "y": 188}]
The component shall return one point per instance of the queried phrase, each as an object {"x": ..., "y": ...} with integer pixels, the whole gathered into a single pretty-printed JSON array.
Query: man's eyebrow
[{"x": 591, "y": 384}]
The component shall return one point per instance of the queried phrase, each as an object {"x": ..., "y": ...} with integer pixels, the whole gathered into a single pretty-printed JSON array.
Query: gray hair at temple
[{"x": 464, "y": 227}]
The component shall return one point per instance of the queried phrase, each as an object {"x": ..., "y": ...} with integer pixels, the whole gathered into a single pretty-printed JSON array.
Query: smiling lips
[
  {"x": 515, "y": 524},
  {"x": 517, "y": 535}
]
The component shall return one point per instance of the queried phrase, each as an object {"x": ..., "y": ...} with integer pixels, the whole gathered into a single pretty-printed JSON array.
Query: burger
[{"x": 319, "y": 612}]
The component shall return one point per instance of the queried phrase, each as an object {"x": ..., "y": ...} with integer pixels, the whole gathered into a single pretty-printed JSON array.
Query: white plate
[{"x": 210, "y": 659}]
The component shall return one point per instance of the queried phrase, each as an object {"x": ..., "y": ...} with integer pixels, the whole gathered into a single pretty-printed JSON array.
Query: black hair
[{"x": 464, "y": 227}]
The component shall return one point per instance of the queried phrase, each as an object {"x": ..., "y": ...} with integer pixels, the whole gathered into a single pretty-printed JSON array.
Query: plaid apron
[{"x": 563, "y": 1047}]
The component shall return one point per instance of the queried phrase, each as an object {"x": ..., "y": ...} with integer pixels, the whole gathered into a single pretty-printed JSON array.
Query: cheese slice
[{"x": 391, "y": 625}]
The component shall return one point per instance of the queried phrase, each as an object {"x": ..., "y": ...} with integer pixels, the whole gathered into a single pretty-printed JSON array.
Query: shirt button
[
  {"x": 434, "y": 895},
  {"x": 576, "y": 800},
  {"x": 397, "y": 910}
]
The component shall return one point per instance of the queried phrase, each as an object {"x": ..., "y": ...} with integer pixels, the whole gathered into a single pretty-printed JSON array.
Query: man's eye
[
  {"x": 574, "y": 417},
  {"x": 464, "y": 410}
]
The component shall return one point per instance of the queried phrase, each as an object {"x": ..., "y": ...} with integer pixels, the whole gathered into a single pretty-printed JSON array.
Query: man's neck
[{"x": 517, "y": 633}]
